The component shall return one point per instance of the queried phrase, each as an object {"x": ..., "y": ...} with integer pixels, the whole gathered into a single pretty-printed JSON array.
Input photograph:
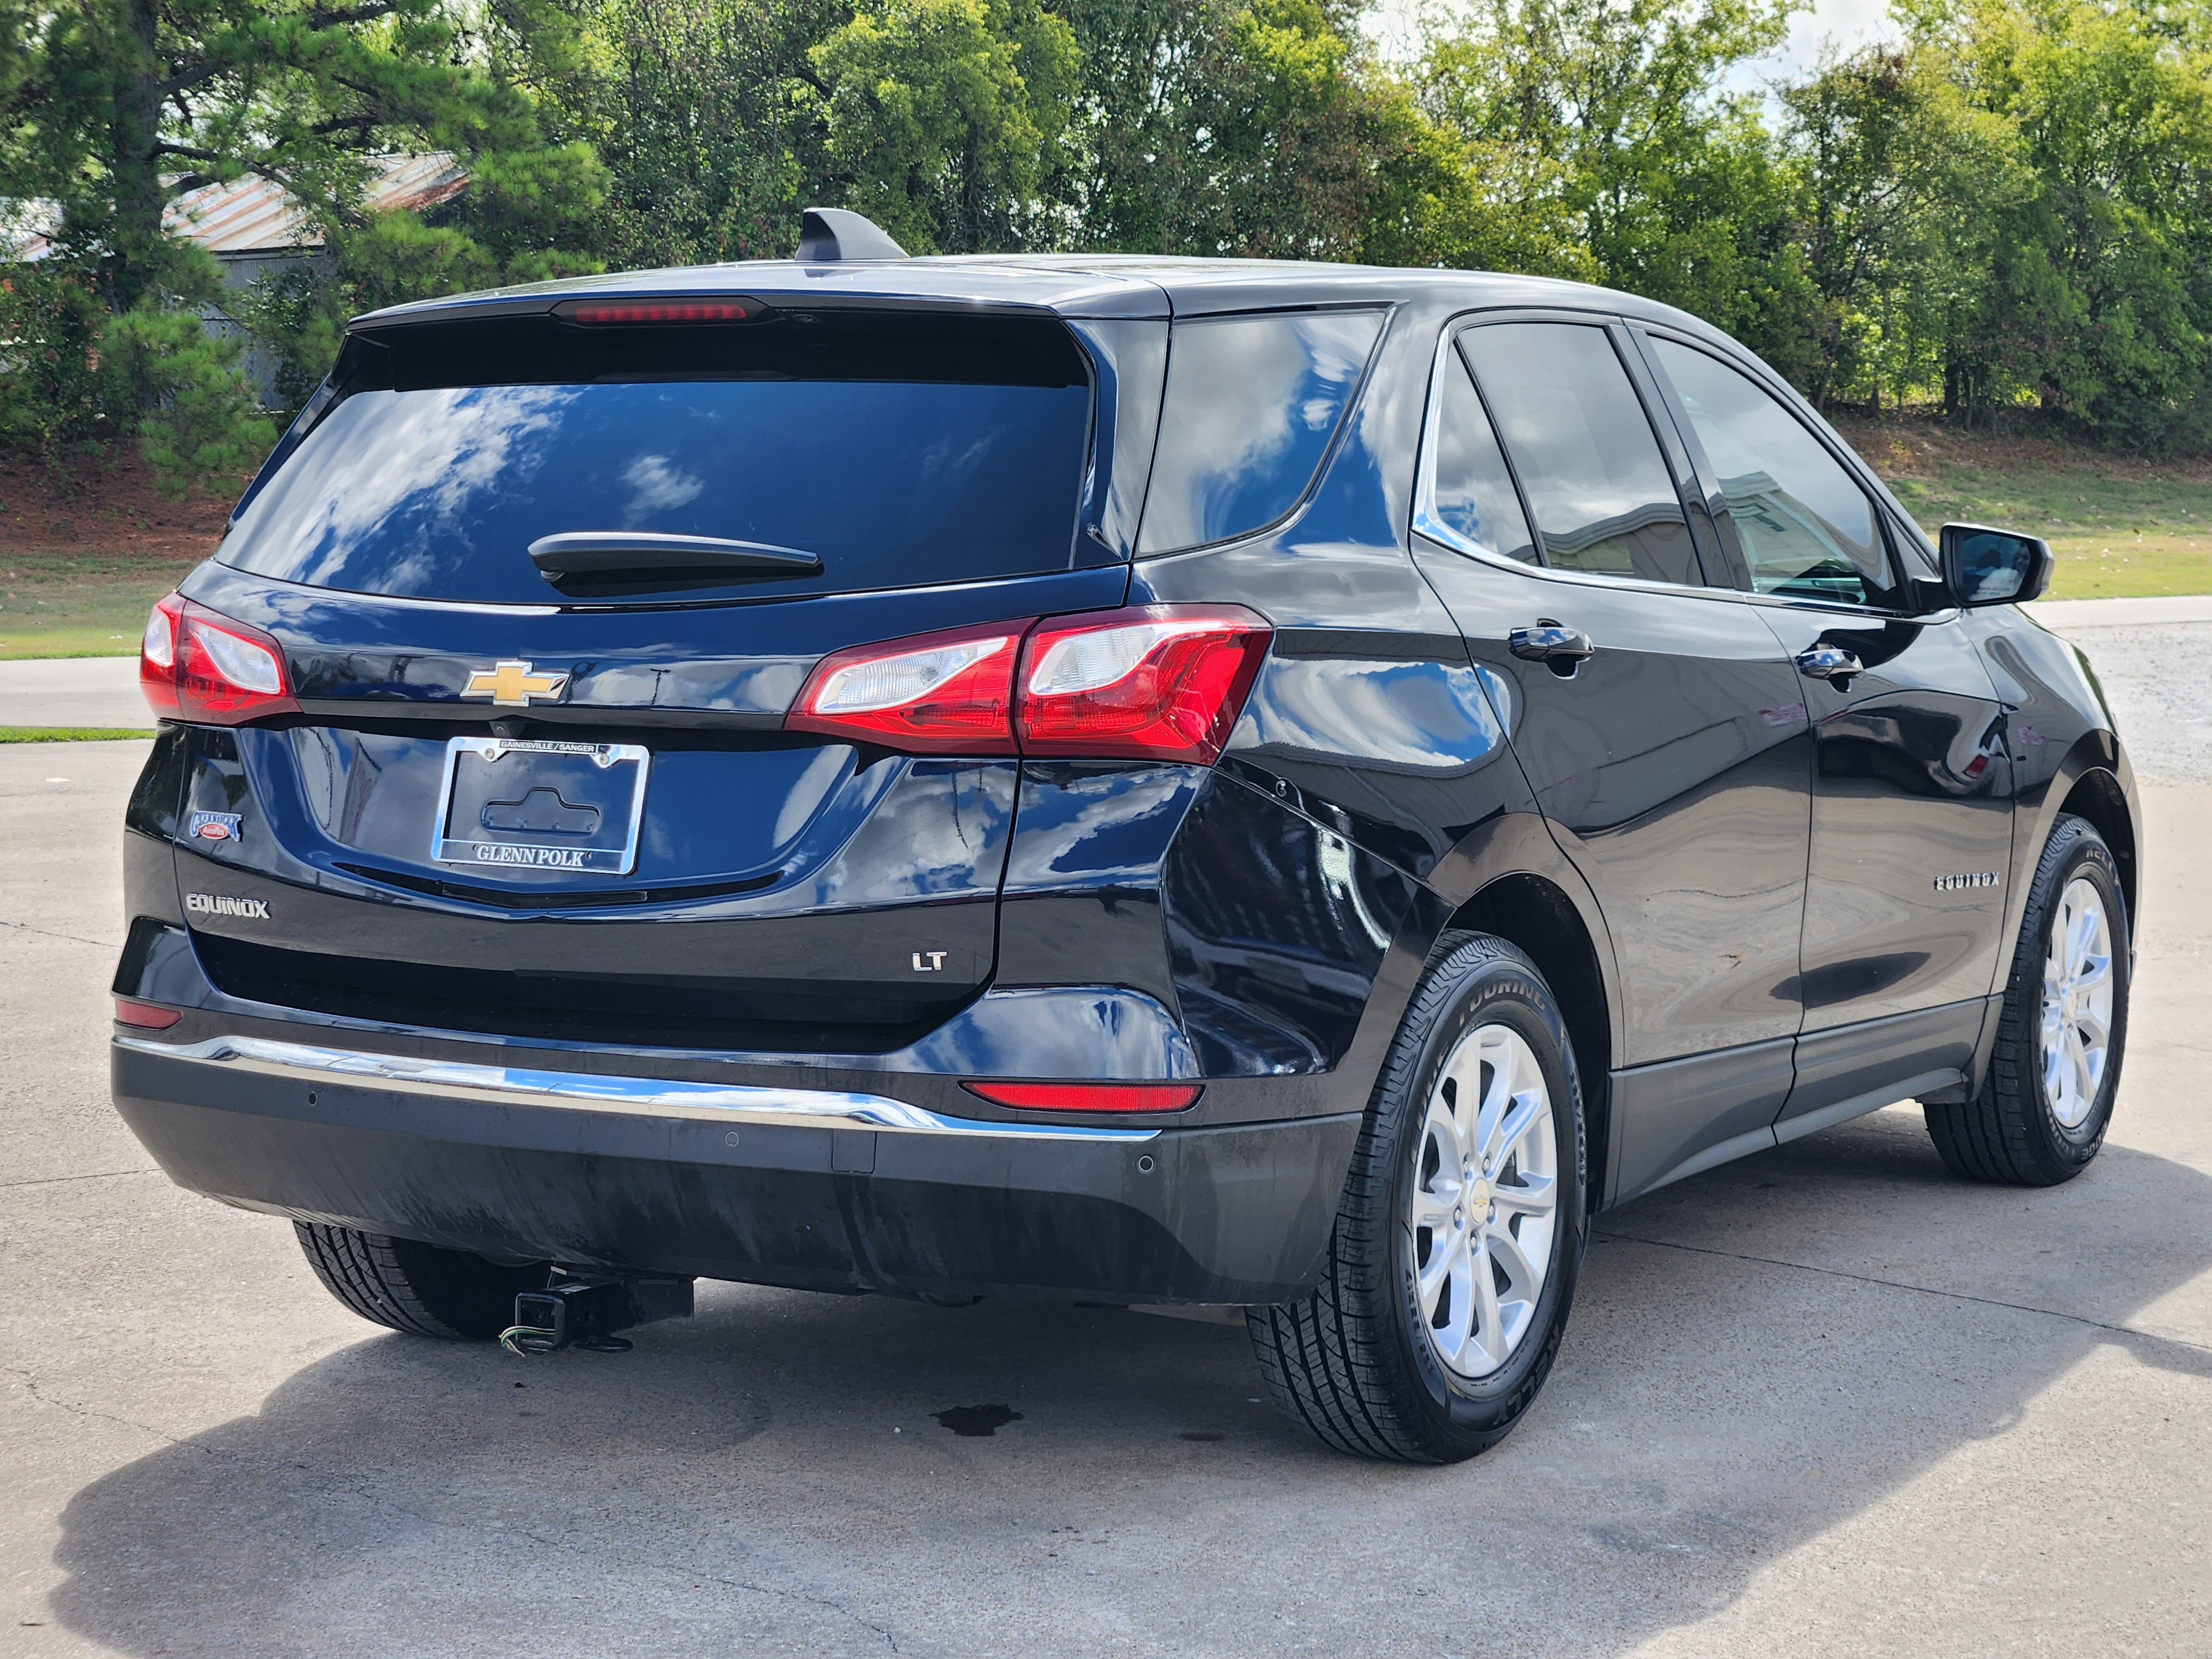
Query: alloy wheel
[
  {"x": 2077, "y": 1003},
  {"x": 1484, "y": 1196}
]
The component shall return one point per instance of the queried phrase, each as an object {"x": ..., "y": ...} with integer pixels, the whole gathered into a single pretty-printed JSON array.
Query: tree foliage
[
  {"x": 115, "y": 108},
  {"x": 2008, "y": 208}
]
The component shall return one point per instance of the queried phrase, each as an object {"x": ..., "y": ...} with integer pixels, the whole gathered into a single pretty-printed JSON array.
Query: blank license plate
[{"x": 522, "y": 804}]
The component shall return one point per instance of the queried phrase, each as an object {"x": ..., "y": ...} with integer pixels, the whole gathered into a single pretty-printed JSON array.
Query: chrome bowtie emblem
[{"x": 512, "y": 685}]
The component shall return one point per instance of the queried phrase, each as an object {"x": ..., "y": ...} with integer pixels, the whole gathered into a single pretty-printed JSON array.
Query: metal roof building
[{"x": 255, "y": 217}]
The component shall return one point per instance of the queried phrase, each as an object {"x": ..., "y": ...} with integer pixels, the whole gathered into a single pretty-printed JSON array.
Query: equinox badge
[
  {"x": 512, "y": 685},
  {"x": 222, "y": 904}
]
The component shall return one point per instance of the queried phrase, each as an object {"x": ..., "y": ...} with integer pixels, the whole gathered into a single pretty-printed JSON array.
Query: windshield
[{"x": 438, "y": 491}]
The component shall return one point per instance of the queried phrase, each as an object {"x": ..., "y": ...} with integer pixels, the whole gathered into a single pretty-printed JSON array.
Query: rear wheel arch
[{"x": 1540, "y": 919}]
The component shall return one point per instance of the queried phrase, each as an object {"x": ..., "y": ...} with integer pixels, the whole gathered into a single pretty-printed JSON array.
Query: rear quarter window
[{"x": 1252, "y": 405}]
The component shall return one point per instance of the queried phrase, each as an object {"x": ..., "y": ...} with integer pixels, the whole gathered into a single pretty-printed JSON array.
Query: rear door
[
  {"x": 1672, "y": 760},
  {"x": 554, "y": 797},
  {"x": 1911, "y": 795}
]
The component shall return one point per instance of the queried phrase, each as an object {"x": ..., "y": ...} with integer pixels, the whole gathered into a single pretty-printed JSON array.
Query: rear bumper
[{"x": 817, "y": 1189}]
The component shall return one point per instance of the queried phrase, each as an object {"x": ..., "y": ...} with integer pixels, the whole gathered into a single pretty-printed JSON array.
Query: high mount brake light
[
  {"x": 1090, "y": 1097},
  {"x": 660, "y": 311},
  {"x": 938, "y": 694},
  {"x": 196, "y": 665},
  {"x": 1163, "y": 682}
]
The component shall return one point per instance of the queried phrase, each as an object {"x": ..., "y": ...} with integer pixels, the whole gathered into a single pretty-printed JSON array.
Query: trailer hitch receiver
[{"x": 582, "y": 1310}]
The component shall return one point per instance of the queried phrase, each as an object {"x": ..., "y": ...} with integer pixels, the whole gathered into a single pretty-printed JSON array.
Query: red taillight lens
[
  {"x": 1090, "y": 1097},
  {"x": 948, "y": 693},
  {"x": 1163, "y": 682},
  {"x": 149, "y": 1015},
  {"x": 195, "y": 665}
]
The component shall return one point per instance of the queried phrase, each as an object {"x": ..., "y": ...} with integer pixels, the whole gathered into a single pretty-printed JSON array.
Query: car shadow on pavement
[{"x": 1758, "y": 1354}]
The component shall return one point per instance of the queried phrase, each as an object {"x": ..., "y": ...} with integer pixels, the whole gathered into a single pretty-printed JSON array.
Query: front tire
[
  {"x": 2055, "y": 1067},
  {"x": 420, "y": 1288},
  {"x": 1461, "y": 1230}
]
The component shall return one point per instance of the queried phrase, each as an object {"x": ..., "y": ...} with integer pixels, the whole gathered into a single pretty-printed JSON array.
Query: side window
[
  {"x": 1251, "y": 404},
  {"x": 1473, "y": 492},
  {"x": 1584, "y": 450},
  {"x": 1807, "y": 529}
]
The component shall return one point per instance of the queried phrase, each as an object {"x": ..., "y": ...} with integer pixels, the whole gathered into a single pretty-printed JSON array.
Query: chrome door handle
[
  {"x": 1561, "y": 649},
  {"x": 1831, "y": 663}
]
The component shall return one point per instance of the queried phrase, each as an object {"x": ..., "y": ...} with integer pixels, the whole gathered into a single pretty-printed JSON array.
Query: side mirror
[{"x": 1982, "y": 566}]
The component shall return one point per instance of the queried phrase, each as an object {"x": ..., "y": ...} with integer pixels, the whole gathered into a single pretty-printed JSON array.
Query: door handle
[
  {"x": 1831, "y": 663},
  {"x": 1562, "y": 650}
]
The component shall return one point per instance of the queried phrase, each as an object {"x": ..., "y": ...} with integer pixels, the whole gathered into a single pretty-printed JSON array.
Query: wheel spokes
[
  {"x": 1490, "y": 1332},
  {"x": 1485, "y": 1164},
  {"x": 1534, "y": 1194}
]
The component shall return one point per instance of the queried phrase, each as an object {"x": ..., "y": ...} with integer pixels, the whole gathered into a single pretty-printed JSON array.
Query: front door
[
  {"x": 1912, "y": 792},
  {"x": 1671, "y": 760}
]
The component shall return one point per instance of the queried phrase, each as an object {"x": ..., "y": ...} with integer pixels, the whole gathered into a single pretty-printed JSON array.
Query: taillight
[
  {"x": 948, "y": 693},
  {"x": 151, "y": 1016},
  {"x": 1163, "y": 682},
  {"x": 1089, "y": 1096},
  {"x": 196, "y": 665}
]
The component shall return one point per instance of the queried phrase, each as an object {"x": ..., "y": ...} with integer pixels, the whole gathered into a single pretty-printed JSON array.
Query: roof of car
[{"x": 1067, "y": 284}]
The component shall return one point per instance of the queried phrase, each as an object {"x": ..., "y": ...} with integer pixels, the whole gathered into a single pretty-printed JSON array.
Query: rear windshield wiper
[{"x": 591, "y": 557}]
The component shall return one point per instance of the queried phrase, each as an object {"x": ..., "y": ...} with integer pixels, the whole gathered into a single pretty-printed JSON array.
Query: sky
[{"x": 1847, "y": 23}]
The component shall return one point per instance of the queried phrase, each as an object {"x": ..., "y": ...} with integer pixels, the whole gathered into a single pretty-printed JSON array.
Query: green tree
[
  {"x": 709, "y": 115},
  {"x": 1900, "y": 182},
  {"x": 946, "y": 121},
  {"x": 1265, "y": 130},
  {"x": 122, "y": 105},
  {"x": 2099, "y": 300}
]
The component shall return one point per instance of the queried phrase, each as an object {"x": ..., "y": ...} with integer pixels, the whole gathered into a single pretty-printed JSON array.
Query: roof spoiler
[{"x": 831, "y": 235}]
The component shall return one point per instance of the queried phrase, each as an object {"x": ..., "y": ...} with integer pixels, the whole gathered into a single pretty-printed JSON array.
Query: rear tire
[
  {"x": 1459, "y": 1236},
  {"x": 2047, "y": 1099},
  {"x": 420, "y": 1288}
]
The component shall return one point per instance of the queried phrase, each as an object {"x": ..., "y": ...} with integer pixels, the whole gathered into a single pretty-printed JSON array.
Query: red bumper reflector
[
  {"x": 149, "y": 1015},
  {"x": 1090, "y": 1097}
]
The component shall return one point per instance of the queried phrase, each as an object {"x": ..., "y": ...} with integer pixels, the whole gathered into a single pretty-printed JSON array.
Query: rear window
[
  {"x": 1252, "y": 403},
  {"x": 898, "y": 450}
]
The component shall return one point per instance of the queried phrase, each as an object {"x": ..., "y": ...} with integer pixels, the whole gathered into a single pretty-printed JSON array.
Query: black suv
[{"x": 1144, "y": 782}]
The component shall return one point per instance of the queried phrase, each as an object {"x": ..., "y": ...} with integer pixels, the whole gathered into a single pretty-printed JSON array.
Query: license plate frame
[{"x": 594, "y": 853}]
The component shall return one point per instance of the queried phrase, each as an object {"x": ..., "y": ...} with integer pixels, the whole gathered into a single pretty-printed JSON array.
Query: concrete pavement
[
  {"x": 1823, "y": 1400},
  {"x": 94, "y": 692}
]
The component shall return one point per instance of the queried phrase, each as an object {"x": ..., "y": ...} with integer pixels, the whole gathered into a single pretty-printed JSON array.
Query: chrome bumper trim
[{"x": 586, "y": 1092}]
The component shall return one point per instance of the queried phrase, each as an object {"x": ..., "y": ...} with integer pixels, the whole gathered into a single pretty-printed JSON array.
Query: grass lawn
[
  {"x": 69, "y": 733},
  {"x": 2120, "y": 527},
  {"x": 80, "y": 604}
]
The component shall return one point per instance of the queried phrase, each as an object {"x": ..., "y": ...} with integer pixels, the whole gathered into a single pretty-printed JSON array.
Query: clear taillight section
[
  {"x": 1157, "y": 683},
  {"x": 196, "y": 665},
  {"x": 1148, "y": 682},
  {"x": 934, "y": 694}
]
